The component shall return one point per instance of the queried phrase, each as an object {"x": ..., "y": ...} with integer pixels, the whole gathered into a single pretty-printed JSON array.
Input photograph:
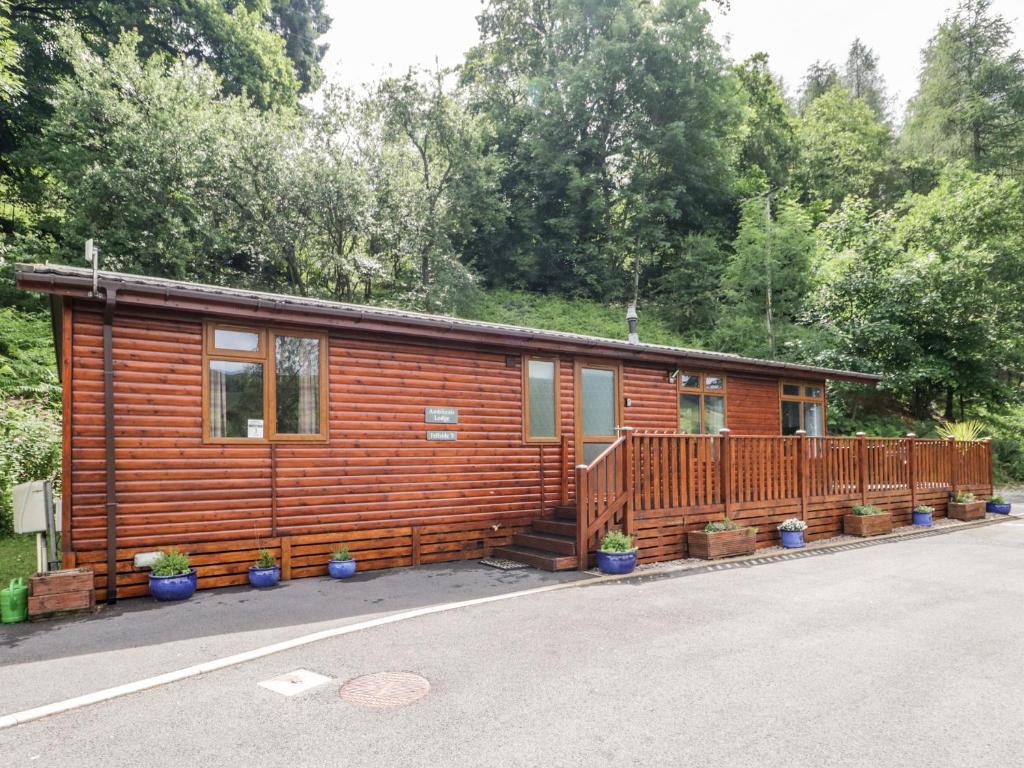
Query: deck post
[
  {"x": 988, "y": 458},
  {"x": 912, "y": 469},
  {"x": 725, "y": 465},
  {"x": 801, "y": 470},
  {"x": 286, "y": 558},
  {"x": 627, "y": 479},
  {"x": 954, "y": 466},
  {"x": 581, "y": 517},
  {"x": 862, "y": 466}
]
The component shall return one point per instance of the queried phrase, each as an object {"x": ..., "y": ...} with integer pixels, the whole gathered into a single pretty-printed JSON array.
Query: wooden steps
[{"x": 550, "y": 544}]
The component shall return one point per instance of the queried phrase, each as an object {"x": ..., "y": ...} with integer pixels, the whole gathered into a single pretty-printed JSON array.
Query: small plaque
[
  {"x": 444, "y": 435},
  {"x": 255, "y": 427},
  {"x": 441, "y": 415}
]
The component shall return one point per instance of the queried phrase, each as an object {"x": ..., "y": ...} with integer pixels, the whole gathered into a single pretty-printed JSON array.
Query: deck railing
[{"x": 645, "y": 472}]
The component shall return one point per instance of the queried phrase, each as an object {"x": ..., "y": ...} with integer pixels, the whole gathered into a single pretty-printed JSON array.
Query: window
[
  {"x": 701, "y": 403},
  {"x": 540, "y": 400},
  {"x": 263, "y": 384},
  {"x": 803, "y": 407}
]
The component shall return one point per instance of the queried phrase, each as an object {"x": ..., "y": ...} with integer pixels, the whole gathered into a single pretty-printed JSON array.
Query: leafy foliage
[
  {"x": 793, "y": 524},
  {"x": 717, "y": 526},
  {"x": 617, "y": 541},
  {"x": 171, "y": 562},
  {"x": 341, "y": 553},
  {"x": 963, "y": 497},
  {"x": 961, "y": 430},
  {"x": 866, "y": 510},
  {"x": 265, "y": 559}
]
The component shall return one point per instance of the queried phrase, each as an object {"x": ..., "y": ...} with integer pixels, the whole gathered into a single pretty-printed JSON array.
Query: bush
[
  {"x": 867, "y": 509},
  {"x": 924, "y": 509},
  {"x": 30, "y": 449},
  {"x": 171, "y": 563},
  {"x": 963, "y": 497},
  {"x": 997, "y": 499},
  {"x": 793, "y": 524},
  {"x": 265, "y": 559},
  {"x": 718, "y": 526},
  {"x": 616, "y": 541},
  {"x": 341, "y": 553}
]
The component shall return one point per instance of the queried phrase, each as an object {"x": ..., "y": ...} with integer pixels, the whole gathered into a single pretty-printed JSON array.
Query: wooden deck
[{"x": 661, "y": 486}]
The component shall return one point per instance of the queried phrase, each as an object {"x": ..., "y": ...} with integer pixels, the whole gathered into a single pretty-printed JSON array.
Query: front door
[{"x": 597, "y": 408}]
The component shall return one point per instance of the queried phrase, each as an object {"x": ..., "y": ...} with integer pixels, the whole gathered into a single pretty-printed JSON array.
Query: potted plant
[
  {"x": 721, "y": 538},
  {"x": 792, "y": 532},
  {"x": 266, "y": 572},
  {"x": 964, "y": 506},
  {"x": 172, "y": 577},
  {"x": 998, "y": 505},
  {"x": 341, "y": 565},
  {"x": 616, "y": 553},
  {"x": 867, "y": 520},
  {"x": 923, "y": 515}
]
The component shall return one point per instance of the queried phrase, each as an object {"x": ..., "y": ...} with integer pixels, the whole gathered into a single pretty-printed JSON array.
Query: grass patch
[
  {"x": 556, "y": 313},
  {"x": 17, "y": 557}
]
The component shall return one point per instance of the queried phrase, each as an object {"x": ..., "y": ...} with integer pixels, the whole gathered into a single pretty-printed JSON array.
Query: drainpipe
[{"x": 108, "y": 440}]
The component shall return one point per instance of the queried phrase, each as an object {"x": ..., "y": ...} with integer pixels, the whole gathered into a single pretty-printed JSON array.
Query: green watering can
[{"x": 14, "y": 602}]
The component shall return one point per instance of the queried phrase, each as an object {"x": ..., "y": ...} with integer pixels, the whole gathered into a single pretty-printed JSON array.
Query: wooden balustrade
[{"x": 643, "y": 473}]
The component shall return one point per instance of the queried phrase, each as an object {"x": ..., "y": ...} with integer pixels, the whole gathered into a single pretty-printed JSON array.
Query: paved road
[
  {"x": 48, "y": 661},
  {"x": 898, "y": 654}
]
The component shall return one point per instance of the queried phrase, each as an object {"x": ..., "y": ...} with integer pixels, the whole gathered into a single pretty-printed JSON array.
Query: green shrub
[
  {"x": 867, "y": 509},
  {"x": 171, "y": 563},
  {"x": 997, "y": 499},
  {"x": 963, "y": 497},
  {"x": 616, "y": 541},
  {"x": 30, "y": 449},
  {"x": 341, "y": 553},
  {"x": 717, "y": 526},
  {"x": 265, "y": 559},
  {"x": 924, "y": 508}
]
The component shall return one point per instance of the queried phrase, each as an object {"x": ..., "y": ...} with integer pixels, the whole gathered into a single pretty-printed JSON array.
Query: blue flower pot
[
  {"x": 792, "y": 539},
  {"x": 616, "y": 562},
  {"x": 999, "y": 509},
  {"x": 341, "y": 569},
  {"x": 264, "y": 577},
  {"x": 178, "y": 587},
  {"x": 923, "y": 519}
]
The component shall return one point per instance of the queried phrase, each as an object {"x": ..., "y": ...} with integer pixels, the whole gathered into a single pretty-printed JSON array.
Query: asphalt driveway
[{"x": 897, "y": 654}]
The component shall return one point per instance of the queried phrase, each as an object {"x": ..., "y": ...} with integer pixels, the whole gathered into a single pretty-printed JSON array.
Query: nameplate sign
[
  {"x": 441, "y": 415},
  {"x": 444, "y": 435}
]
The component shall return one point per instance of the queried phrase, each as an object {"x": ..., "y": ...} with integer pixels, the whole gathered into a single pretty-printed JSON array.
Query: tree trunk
[{"x": 949, "y": 415}]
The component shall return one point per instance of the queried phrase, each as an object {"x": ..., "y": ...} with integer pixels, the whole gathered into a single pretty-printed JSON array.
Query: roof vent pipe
[{"x": 634, "y": 337}]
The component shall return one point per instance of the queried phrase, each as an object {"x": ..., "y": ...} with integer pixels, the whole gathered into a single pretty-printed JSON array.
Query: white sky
[{"x": 367, "y": 39}]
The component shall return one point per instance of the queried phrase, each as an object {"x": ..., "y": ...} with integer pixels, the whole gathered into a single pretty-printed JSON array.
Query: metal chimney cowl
[{"x": 631, "y": 319}]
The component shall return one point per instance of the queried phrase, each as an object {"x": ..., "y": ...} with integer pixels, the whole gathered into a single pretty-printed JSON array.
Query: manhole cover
[{"x": 385, "y": 689}]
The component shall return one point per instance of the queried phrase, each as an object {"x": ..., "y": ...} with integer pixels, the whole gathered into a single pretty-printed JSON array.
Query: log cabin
[{"x": 221, "y": 421}]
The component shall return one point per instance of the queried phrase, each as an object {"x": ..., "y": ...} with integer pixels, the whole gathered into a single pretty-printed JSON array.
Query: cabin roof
[{"x": 239, "y": 303}]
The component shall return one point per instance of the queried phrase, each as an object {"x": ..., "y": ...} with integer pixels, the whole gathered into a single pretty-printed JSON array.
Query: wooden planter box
[
  {"x": 867, "y": 525},
  {"x": 973, "y": 511},
  {"x": 60, "y": 592},
  {"x": 711, "y": 546}
]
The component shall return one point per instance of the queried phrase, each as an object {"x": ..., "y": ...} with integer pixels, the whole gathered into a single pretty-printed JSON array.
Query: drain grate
[{"x": 385, "y": 689}]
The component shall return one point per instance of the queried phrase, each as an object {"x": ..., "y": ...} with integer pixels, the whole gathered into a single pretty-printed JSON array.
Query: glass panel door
[{"x": 598, "y": 413}]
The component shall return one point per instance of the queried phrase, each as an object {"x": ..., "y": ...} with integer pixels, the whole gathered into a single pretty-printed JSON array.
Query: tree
[
  {"x": 11, "y": 80},
  {"x": 931, "y": 295},
  {"x": 820, "y": 78},
  {"x": 610, "y": 122},
  {"x": 970, "y": 99},
  {"x": 301, "y": 23},
  {"x": 844, "y": 150},
  {"x": 768, "y": 146},
  {"x": 766, "y": 279},
  {"x": 864, "y": 80},
  {"x": 149, "y": 157}
]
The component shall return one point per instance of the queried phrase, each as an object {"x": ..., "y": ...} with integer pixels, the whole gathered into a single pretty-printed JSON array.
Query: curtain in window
[
  {"x": 218, "y": 402},
  {"x": 309, "y": 387}
]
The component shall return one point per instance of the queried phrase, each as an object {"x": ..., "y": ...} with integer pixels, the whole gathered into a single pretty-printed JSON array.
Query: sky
[{"x": 370, "y": 39}]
